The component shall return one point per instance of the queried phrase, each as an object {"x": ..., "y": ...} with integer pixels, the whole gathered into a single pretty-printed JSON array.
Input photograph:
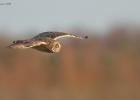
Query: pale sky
[{"x": 45, "y": 15}]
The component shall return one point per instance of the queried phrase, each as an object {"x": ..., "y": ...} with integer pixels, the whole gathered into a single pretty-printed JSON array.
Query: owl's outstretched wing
[
  {"x": 24, "y": 44},
  {"x": 56, "y": 35},
  {"x": 37, "y": 43},
  {"x": 43, "y": 48}
]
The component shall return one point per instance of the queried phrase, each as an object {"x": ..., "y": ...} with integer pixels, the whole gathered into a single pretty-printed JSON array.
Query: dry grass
[{"x": 98, "y": 69}]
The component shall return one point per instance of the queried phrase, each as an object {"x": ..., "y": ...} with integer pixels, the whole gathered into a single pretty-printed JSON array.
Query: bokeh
[{"x": 102, "y": 67}]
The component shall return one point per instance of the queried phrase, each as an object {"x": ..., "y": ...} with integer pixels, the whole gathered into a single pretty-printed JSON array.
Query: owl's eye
[{"x": 57, "y": 46}]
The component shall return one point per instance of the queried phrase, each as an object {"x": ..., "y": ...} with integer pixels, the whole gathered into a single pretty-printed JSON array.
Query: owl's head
[{"x": 56, "y": 47}]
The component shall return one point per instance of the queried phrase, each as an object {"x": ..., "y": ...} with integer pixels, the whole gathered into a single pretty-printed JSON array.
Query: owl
[{"x": 45, "y": 41}]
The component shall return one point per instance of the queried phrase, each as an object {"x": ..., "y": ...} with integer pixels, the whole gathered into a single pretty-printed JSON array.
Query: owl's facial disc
[{"x": 56, "y": 47}]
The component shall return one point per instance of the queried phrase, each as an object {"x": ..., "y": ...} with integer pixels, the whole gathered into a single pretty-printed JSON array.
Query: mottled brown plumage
[{"x": 46, "y": 41}]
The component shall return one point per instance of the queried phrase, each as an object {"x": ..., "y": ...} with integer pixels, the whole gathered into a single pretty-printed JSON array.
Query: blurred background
[{"x": 104, "y": 67}]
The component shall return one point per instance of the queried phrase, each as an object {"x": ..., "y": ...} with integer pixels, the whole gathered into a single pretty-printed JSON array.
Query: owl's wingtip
[{"x": 86, "y": 37}]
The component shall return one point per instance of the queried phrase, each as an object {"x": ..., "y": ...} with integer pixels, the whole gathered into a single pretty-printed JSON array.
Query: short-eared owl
[{"x": 46, "y": 41}]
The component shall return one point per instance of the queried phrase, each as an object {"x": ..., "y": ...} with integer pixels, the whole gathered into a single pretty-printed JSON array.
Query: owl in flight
[{"x": 46, "y": 41}]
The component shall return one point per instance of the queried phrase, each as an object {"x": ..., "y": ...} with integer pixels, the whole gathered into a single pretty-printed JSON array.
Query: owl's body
[{"x": 46, "y": 41}]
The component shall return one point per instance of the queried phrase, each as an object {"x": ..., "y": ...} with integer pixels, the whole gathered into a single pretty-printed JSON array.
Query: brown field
[{"x": 100, "y": 68}]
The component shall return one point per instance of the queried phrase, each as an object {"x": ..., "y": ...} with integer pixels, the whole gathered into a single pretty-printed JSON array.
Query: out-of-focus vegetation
[{"x": 100, "y": 68}]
